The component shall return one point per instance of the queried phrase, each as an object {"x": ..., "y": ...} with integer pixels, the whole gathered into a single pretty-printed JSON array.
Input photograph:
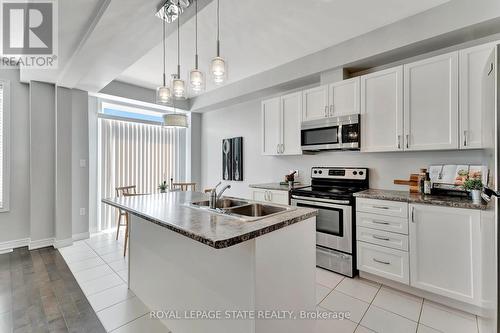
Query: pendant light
[
  {"x": 196, "y": 77},
  {"x": 175, "y": 119},
  {"x": 163, "y": 94},
  {"x": 218, "y": 66},
  {"x": 178, "y": 85}
]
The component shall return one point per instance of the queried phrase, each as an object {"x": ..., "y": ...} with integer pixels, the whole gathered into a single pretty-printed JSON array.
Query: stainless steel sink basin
[
  {"x": 256, "y": 210},
  {"x": 223, "y": 203}
]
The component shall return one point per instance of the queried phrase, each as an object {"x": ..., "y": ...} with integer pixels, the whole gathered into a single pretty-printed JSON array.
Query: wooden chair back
[
  {"x": 123, "y": 190},
  {"x": 184, "y": 186}
]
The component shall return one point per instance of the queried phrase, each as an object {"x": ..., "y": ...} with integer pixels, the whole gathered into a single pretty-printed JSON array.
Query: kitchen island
[{"x": 208, "y": 271}]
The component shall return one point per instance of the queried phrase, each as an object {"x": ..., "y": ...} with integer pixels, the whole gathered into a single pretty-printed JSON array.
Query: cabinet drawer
[
  {"x": 383, "y": 207},
  {"x": 384, "y": 238},
  {"x": 381, "y": 222},
  {"x": 382, "y": 261}
]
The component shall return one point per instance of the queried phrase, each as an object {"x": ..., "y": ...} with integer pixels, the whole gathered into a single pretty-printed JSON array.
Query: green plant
[
  {"x": 471, "y": 184},
  {"x": 163, "y": 186}
]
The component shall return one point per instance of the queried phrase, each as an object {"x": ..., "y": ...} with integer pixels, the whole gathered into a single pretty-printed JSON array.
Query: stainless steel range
[{"x": 331, "y": 192}]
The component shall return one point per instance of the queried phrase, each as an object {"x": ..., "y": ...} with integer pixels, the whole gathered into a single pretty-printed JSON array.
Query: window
[{"x": 4, "y": 145}]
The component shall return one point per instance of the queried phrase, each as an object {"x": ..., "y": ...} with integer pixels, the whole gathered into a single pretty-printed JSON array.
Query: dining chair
[
  {"x": 182, "y": 186},
  {"x": 124, "y": 191}
]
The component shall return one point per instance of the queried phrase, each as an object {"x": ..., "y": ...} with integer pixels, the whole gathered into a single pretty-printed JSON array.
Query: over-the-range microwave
[{"x": 336, "y": 133}]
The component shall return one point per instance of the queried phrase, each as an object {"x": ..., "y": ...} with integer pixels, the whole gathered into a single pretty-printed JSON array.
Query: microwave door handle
[{"x": 340, "y": 135}]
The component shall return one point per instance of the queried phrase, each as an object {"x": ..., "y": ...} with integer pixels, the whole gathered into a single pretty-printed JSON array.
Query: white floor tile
[
  {"x": 400, "y": 303},
  {"x": 446, "y": 319},
  {"x": 100, "y": 284},
  {"x": 109, "y": 249},
  {"x": 110, "y": 297},
  {"x": 335, "y": 326},
  {"x": 123, "y": 275},
  {"x": 321, "y": 292},
  {"x": 92, "y": 273},
  {"x": 426, "y": 329},
  {"x": 85, "y": 264},
  {"x": 384, "y": 321},
  {"x": 359, "y": 288},
  {"x": 339, "y": 302},
  {"x": 327, "y": 278},
  {"x": 362, "y": 329},
  {"x": 118, "y": 265},
  {"x": 73, "y": 249},
  {"x": 143, "y": 324},
  {"x": 115, "y": 256},
  {"x": 122, "y": 313},
  {"x": 79, "y": 256}
]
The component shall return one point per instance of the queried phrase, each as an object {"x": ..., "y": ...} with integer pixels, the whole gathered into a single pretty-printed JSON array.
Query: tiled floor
[
  {"x": 102, "y": 272},
  {"x": 376, "y": 308}
]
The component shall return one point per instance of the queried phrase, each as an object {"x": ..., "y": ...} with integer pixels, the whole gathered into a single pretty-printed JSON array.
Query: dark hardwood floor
[{"x": 38, "y": 293}]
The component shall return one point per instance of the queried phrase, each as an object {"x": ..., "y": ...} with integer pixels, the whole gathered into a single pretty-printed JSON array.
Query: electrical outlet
[
  {"x": 82, "y": 212},
  {"x": 83, "y": 163},
  {"x": 297, "y": 173}
]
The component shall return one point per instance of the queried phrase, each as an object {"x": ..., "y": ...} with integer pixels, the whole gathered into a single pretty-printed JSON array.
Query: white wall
[
  {"x": 244, "y": 120},
  {"x": 14, "y": 224}
]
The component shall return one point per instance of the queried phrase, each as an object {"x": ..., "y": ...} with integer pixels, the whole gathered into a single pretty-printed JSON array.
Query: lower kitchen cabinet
[
  {"x": 278, "y": 197},
  {"x": 445, "y": 251}
]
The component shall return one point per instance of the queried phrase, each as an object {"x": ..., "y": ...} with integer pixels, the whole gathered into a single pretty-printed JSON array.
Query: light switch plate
[
  {"x": 82, "y": 211},
  {"x": 83, "y": 163}
]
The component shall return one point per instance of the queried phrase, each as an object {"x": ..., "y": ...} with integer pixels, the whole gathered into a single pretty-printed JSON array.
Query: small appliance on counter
[{"x": 448, "y": 179}]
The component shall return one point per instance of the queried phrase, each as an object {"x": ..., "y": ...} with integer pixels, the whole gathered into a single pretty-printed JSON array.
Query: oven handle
[{"x": 343, "y": 204}]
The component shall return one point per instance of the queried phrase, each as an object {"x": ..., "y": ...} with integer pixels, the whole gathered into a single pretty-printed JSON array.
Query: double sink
[{"x": 242, "y": 209}]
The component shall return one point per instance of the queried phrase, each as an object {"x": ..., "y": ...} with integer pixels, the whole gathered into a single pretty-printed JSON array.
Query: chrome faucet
[{"x": 214, "y": 197}]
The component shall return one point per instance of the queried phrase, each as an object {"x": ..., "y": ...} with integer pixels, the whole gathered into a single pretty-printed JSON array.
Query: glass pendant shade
[
  {"x": 178, "y": 88},
  {"x": 163, "y": 95},
  {"x": 196, "y": 81},
  {"x": 175, "y": 120},
  {"x": 218, "y": 70}
]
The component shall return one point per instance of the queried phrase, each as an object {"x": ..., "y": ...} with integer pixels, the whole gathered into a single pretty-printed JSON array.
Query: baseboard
[
  {"x": 63, "y": 242},
  {"x": 9, "y": 246},
  {"x": 83, "y": 235},
  {"x": 37, "y": 244}
]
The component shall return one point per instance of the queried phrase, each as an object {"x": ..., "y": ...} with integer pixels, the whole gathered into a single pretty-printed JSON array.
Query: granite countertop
[
  {"x": 172, "y": 211},
  {"x": 405, "y": 196},
  {"x": 276, "y": 186}
]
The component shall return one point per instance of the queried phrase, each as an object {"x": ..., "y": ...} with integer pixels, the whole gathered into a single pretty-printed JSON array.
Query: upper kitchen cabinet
[
  {"x": 315, "y": 103},
  {"x": 472, "y": 64},
  {"x": 431, "y": 103},
  {"x": 343, "y": 97},
  {"x": 281, "y": 118},
  {"x": 382, "y": 110}
]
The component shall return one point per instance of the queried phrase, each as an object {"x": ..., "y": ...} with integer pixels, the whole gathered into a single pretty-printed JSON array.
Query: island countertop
[{"x": 172, "y": 211}]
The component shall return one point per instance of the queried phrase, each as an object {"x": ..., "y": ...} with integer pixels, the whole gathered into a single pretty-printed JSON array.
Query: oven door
[
  {"x": 314, "y": 136},
  {"x": 333, "y": 223}
]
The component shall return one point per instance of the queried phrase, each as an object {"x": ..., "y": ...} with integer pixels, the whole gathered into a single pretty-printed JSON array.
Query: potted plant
[
  {"x": 163, "y": 187},
  {"x": 474, "y": 186}
]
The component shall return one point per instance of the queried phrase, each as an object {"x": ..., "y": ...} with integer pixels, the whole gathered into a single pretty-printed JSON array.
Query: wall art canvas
[
  {"x": 237, "y": 150},
  {"x": 227, "y": 158}
]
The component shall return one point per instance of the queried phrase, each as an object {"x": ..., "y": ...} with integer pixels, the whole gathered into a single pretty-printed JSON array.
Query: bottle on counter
[
  {"x": 421, "y": 180},
  {"x": 427, "y": 184}
]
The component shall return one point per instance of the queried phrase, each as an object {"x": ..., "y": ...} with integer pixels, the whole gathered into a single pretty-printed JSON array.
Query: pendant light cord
[
  {"x": 196, "y": 35},
  {"x": 164, "y": 57},
  {"x": 179, "y": 42},
  {"x": 218, "y": 32}
]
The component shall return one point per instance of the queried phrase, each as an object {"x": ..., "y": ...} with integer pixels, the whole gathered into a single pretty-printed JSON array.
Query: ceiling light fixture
[
  {"x": 178, "y": 85},
  {"x": 170, "y": 10},
  {"x": 196, "y": 77},
  {"x": 218, "y": 66},
  {"x": 163, "y": 93},
  {"x": 175, "y": 119}
]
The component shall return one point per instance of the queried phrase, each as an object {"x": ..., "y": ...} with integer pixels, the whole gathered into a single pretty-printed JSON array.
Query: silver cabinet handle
[
  {"x": 331, "y": 110},
  {"x": 399, "y": 141},
  {"x": 278, "y": 148},
  {"x": 381, "y": 261},
  {"x": 266, "y": 196},
  {"x": 380, "y": 222},
  {"x": 407, "y": 141},
  {"x": 381, "y": 238},
  {"x": 282, "y": 148},
  {"x": 381, "y": 207},
  {"x": 413, "y": 214},
  {"x": 465, "y": 138},
  {"x": 270, "y": 196}
]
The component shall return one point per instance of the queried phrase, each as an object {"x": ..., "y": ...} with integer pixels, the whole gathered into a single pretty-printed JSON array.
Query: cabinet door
[
  {"x": 445, "y": 251},
  {"x": 431, "y": 103},
  {"x": 344, "y": 97},
  {"x": 279, "y": 197},
  {"x": 382, "y": 110},
  {"x": 315, "y": 103},
  {"x": 472, "y": 64},
  {"x": 291, "y": 115},
  {"x": 271, "y": 126},
  {"x": 259, "y": 195}
]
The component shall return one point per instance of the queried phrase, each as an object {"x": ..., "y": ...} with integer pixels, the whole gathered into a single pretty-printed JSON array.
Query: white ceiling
[{"x": 259, "y": 35}]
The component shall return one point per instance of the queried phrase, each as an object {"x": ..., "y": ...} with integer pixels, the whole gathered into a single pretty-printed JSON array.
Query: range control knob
[
  {"x": 320, "y": 172},
  {"x": 355, "y": 173},
  {"x": 361, "y": 173},
  {"x": 315, "y": 171}
]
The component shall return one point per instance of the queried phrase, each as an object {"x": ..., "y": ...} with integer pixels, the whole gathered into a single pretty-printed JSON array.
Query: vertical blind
[
  {"x": 1, "y": 146},
  {"x": 133, "y": 153}
]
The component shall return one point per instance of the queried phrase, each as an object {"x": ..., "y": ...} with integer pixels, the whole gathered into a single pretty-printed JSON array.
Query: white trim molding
[
  {"x": 9, "y": 246},
  {"x": 83, "y": 235},
  {"x": 58, "y": 243},
  {"x": 37, "y": 244}
]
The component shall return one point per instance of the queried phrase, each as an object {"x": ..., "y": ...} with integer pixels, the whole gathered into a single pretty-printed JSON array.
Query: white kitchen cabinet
[
  {"x": 431, "y": 103},
  {"x": 343, "y": 97},
  {"x": 271, "y": 126},
  {"x": 281, "y": 118},
  {"x": 273, "y": 196},
  {"x": 472, "y": 65},
  {"x": 315, "y": 103},
  {"x": 445, "y": 252},
  {"x": 382, "y": 110}
]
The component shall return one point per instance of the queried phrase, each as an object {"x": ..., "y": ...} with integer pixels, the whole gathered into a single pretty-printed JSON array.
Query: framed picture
[
  {"x": 227, "y": 158},
  {"x": 232, "y": 159}
]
